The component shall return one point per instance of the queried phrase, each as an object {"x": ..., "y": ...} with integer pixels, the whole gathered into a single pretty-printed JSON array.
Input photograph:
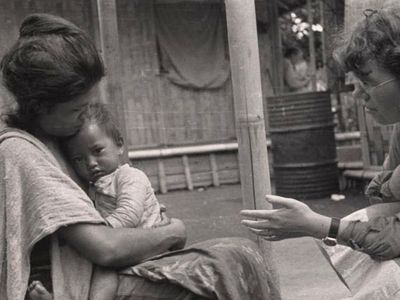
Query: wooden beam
[
  {"x": 214, "y": 169},
  {"x": 311, "y": 45},
  {"x": 333, "y": 20},
  {"x": 249, "y": 116},
  {"x": 162, "y": 178},
  {"x": 108, "y": 42},
  {"x": 366, "y": 158},
  {"x": 276, "y": 60},
  {"x": 188, "y": 175}
]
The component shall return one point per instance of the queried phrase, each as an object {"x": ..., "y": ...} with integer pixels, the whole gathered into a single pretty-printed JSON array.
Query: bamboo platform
[{"x": 197, "y": 166}]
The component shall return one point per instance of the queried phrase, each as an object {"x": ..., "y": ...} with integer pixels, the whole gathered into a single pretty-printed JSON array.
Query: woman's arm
[
  {"x": 292, "y": 219},
  {"x": 378, "y": 237},
  {"x": 120, "y": 247}
]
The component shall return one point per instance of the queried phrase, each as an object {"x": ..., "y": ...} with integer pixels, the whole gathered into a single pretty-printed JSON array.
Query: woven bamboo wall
[
  {"x": 158, "y": 112},
  {"x": 13, "y": 12}
]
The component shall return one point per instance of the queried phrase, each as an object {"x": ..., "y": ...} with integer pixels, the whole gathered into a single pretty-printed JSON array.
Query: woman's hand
[{"x": 292, "y": 219}]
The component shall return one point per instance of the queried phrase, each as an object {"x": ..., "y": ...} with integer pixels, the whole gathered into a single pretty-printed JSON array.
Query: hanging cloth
[{"x": 191, "y": 39}]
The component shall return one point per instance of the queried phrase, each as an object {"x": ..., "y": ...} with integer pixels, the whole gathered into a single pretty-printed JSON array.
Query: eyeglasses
[{"x": 373, "y": 88}]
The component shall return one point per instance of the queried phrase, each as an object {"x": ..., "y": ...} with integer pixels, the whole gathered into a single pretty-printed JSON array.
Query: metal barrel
[{"x": 303, "y": 145}]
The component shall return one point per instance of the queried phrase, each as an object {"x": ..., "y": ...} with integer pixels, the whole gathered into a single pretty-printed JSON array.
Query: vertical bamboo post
[
  {"x": 276, "y": 51},
  {"x": 248, "y": 105},
  {"x": 110, "y": 89},
  {"x": 364, "y": 141},
  {"x": 214, "y": 169},
  {"x": 162, "y": 177},
  {"x": 311, "y": 45},
  {"x": 188, "y": 175}
]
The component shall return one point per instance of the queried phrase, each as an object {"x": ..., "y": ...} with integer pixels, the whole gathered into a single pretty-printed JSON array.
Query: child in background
[
  {"x": 122, "y": 194},
  {"x": 296, "y": 71}
]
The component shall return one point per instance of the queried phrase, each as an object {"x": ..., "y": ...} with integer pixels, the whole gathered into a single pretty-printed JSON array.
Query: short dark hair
[
  {"x": 97, "y": 113},
  {"x": 53, "y": 61},
  {"x": 376, "y": 37},
  {"x": 290, "y": 51}
]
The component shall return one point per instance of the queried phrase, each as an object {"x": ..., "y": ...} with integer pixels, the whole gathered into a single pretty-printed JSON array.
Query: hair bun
[{"x": 44, "y": 24}]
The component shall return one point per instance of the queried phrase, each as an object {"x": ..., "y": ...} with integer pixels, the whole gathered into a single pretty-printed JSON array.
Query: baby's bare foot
[{"x": 37, "y": 291}]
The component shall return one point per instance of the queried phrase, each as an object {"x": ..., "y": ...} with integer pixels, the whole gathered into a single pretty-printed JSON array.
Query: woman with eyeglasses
[{"x": 372, "y": 54}]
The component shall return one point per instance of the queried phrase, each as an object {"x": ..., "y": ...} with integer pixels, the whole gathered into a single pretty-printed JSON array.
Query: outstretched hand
[{"x": 292, "y": 219}]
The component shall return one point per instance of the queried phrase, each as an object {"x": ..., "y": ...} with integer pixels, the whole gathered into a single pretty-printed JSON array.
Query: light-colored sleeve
[
  {"x": 385, "y": 231},
  {"x": 132, "y": 188},
  {"x": 37, "y": 198},
  {"x": 47, "y": 191},
  {"x": 393, "y": 158},
  {"x": 390, "y": 189},
  {"x": 387, "y": 183}
]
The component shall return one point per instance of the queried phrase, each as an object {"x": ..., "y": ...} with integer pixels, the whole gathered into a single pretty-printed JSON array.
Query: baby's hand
[{"x": 165, "y": 220}]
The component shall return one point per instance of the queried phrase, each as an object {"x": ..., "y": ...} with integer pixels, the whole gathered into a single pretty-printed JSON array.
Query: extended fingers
[
  {"x": 269, "y": 235},
  {"x": 286, "y": 202},
  {"x": 265, "y": 214},
  {"x": 256, "y": 224},
  {"x": 259, "y": 214}
]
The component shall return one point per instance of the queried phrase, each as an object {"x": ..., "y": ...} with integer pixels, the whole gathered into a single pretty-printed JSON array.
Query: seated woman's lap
[
  {"x": 137, "y": 288},
  {"x": 208, "y": 269}
]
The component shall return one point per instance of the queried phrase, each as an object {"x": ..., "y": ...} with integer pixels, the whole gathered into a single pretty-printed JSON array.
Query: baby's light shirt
[{"x": 125, "y": 198}]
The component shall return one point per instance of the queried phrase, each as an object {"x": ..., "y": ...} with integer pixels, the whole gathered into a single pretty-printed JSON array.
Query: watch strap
[{"x": 334, "y": 228}]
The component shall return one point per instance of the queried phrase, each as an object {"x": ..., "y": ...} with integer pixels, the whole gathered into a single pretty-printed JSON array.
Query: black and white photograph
[{"x": 199, "y": 149}]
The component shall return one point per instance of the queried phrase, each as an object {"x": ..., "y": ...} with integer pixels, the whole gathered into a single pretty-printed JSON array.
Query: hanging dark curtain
[{"x": 192, "y": 44}]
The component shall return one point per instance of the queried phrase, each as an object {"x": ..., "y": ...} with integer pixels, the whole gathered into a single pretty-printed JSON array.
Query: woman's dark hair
[
  {"x": 53, "y": 61},
  {"x": 375, "y": 37},
  {"x": 97, "y": 113}
]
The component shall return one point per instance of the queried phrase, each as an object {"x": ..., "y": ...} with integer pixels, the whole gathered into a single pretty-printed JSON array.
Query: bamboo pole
[
  {"x": 352, "y": 136},
  {"x": 249, "y": 116},
  {"x": 276, "y": 51},
  {"x": 311, "y": 45},
  {"x": 110, "y": 87}
]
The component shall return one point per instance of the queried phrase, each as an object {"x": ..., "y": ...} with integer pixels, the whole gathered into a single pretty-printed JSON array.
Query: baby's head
[{"x": 97, "y": 148}]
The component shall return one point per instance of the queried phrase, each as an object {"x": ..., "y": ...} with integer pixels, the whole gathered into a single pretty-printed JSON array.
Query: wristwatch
[{"x": 331, "y": 239}]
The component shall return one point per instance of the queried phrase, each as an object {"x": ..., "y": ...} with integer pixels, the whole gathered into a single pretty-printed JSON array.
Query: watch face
[{"x": 329, "y": 241}]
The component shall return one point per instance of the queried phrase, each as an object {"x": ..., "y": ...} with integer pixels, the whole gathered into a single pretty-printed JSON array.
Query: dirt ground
[{"x": 304, "y": 273}]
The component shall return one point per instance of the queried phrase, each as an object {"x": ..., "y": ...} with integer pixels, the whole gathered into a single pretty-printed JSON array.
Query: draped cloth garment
[
  {"x": 36, "y": 199},
  {"x": 365, "y": 277}
]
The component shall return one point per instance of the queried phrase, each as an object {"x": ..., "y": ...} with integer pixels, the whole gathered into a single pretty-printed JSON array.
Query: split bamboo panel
[
  {"x": 190, "y": 171},
  {"x": 13, "y": 12},
  {"x": 158, "y": 112}
]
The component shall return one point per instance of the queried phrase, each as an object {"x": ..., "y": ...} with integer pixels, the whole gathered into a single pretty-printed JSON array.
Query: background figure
[{"x": 296, "y": 72}]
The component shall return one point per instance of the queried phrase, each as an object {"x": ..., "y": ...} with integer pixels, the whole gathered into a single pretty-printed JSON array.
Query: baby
[{"x": 122, "y": 194}]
